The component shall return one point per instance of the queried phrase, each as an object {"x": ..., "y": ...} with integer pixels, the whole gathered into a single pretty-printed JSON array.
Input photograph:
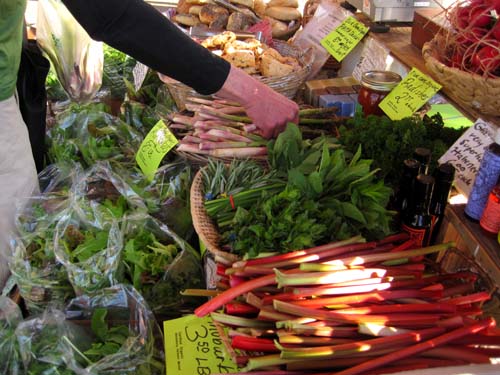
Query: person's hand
[{"x": 269, "y": 110}]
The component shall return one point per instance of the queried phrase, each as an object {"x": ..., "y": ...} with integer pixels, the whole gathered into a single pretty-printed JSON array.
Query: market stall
[{"x": 170, "y": 236}]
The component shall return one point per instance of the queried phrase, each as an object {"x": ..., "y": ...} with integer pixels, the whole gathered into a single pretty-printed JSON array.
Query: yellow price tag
[
  {"x": 409, "y": 95},
  {"x": 193, "y": 346},
  {"x": 344, "y": 38},
  {"x": 153, "y": 149}
]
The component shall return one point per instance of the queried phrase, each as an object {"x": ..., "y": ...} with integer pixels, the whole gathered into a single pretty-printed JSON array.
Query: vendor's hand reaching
[{"x": 269, "y": 110}]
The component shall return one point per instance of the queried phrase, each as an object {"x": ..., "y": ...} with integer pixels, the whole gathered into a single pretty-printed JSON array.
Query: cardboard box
[
  {"x": 334, "y": 86},
  {"x": 426, "y": 24}
]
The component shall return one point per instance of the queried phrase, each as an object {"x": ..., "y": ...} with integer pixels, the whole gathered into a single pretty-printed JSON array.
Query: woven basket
[
  {"x": 203, "y": 224},
  {"x": 287, "y": 85},
  {"x": 466, "y": 89}
]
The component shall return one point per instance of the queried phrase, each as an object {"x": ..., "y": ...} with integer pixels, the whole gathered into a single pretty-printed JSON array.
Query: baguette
[
  {"x": 283, "y": 13},
  {"x": 283, "y": 3}
]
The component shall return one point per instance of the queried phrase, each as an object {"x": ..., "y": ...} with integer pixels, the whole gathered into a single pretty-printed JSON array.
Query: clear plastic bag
[
  {"x": 41, "y": 279},
  {"x": 59, "y": 178},
  {"x": 89, "y": 134},
  {"x": 102, "y": 196},
  {"x": 159, "y": 264},
  {"x": 167, "y": 196},
  {"x": 10, "y": 316},
  {"x": 46, "y": 343},
  {"x": 76, "y": 58},
  {"x": 141, "y": 352},
  {"x": 90, "y": 254}
]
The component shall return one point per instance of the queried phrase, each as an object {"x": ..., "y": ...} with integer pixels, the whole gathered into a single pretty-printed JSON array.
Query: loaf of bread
[
  {"x": 186, "y": 19},
  {"x": 240, "y": 58},
  {"x": 247, "y": 3},
  {"x": 283, "y": 3},
  {"x": 195, "y": 9},
  {"x": 283, "y": 13},
  {"x": 210, "y": 12},
  {"x": 270, "y": 66},
  {"x": 219, "y": 40},
  {"x": 238, "y": 21}
]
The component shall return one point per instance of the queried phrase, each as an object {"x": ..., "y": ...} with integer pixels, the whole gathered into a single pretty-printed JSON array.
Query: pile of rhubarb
[{"x": 352, "y": 307}]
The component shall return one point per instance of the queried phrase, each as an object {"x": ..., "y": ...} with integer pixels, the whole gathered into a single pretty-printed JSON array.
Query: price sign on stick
[
  {"x": 194, "y": 346},
  {"x": 153, "y": 149},
  {"x": 467, "y": 152},
  {"x": 344, "y": 38},
  {"x": 409, "y": 95}
]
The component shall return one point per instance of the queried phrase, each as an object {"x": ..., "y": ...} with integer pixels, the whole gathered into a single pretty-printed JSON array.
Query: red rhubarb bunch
[{"x": 352, "y": 307}]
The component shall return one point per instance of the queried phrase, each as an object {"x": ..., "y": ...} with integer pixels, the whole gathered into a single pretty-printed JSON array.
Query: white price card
[{"x": 467, "y": 152}]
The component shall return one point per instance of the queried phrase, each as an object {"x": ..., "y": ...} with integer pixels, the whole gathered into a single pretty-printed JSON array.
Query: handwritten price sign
[
  {"x": 409, "y": 95},
  {"x": 153, "y": 149},
  {"x": 344, "y": 38},
  {"x": 193, "y": 346}
]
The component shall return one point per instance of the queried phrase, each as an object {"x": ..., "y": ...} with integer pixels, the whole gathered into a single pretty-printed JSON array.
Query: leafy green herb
[
  {"x": 389, "y": 142},
  {"x": 325, "y": 194}
]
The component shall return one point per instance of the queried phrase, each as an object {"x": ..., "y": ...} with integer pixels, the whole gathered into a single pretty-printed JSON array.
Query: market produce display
[
  {"x": 323, "y": 193},
  {"x": 283, "y": 16},
  {"x": 309, "y": 272},
  {"x": 350, "y": 307}
]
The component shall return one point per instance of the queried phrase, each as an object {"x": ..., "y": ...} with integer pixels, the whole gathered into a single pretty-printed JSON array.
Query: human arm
[
  {"x": 138, "y": 29},
  {"x": 269, "y": 110}
]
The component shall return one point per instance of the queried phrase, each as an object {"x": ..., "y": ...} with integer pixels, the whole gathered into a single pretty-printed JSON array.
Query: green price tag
[
  {"x": 344, "y": 38},
  {"x": 409, "y": 95},
  {"x": 153, "y": 149},
  {"x": 194, "y": 346}
]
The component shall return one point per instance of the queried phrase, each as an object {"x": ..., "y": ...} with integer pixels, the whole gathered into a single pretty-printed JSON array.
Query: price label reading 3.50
[{"x": 342, "y": 40}]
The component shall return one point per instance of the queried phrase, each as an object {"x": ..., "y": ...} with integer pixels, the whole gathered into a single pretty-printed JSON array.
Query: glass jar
[{"x": 375, "y": 85}]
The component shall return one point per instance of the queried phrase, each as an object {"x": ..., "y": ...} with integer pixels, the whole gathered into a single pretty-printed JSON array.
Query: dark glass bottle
[
  {"x": 443, "y": 176},
  {"x": 411, "y": 168},
  {"x": 417, "y": 220},
  {"x": 423, "y": 155}
]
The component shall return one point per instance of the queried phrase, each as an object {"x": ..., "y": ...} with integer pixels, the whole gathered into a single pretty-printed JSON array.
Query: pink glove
[{"x": 269, "y": 110}]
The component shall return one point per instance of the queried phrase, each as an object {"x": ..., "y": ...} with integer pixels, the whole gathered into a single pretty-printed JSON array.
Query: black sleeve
[{"x": 139, "y": 30}]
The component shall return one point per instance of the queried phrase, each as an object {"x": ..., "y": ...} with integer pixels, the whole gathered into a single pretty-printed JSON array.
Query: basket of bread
[
  {"x": 283, "y": 67},
  {"x": 238, "y": 15}
]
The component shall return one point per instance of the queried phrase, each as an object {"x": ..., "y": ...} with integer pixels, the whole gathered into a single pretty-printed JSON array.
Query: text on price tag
[
  {"x": 153, "y": 149},
  {"x": 409, "y": 95},
  {"x": 344, "y": 38},
  {"x": 194, "y": 346}
]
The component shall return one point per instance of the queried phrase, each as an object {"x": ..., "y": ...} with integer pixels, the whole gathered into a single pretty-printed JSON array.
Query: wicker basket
[
  {"x": 203, "y": 224},
  {"x": 287, "y": 85},
  {"x": 466, "y": 89}
]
